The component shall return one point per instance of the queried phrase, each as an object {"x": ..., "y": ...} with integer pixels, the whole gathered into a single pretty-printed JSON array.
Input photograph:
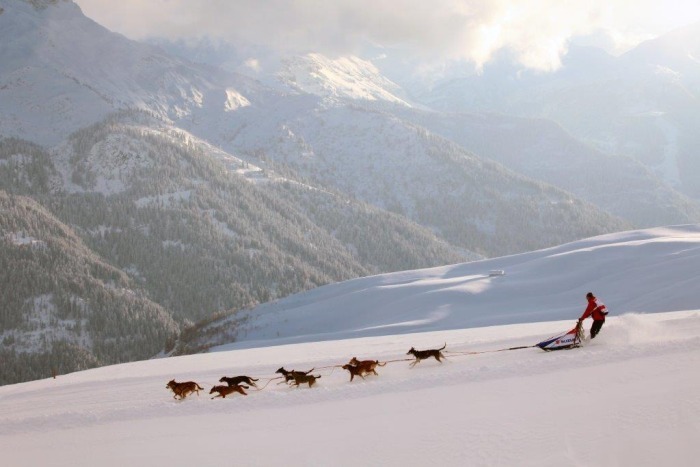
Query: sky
[{"x": 538, "y": 32}]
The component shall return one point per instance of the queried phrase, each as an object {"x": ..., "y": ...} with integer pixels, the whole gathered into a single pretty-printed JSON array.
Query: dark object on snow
[
  {"x": 226, "y": 390},
  {"x": 423, "y": 354},
  {"x": 235, "y": 380},
  {"x": 568, "y": 340},
  {"x": 290, "y": 375},
  {"x": 181, "y": 390},
  {"x": 596, "y": 310}
]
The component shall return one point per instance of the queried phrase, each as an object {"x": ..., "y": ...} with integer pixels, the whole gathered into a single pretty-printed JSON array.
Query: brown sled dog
[
  {"x": 235, "y": 380},
  {"x": 289, "y": 375},
  {"x": 303, "y": 378},
  {"x": 181, "y": 390},
  {"x": 355, "y": 371},
  {"x": 226, "y": 390},
  {"x": 423, "y": 354},
  {"x": 367, "y": 365}
]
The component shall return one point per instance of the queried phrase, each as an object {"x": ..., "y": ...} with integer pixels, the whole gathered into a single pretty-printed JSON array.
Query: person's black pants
[{"x": 595, "y": 328}]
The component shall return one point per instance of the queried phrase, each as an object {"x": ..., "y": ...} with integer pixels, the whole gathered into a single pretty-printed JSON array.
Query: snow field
[{"x": 628, "y": 397}]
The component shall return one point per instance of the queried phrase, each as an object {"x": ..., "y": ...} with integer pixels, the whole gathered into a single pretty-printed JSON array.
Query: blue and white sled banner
[{"x": 562, "y": 341}]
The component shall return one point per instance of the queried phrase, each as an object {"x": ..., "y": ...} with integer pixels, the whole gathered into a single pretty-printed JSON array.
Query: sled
[{"x": 568, "y": 340}]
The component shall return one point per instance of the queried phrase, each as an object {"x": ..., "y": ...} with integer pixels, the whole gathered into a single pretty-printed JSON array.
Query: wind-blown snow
[{"x": 629, "y": 397}]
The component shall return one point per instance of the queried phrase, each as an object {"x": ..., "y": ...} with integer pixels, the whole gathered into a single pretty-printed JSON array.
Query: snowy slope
[
  {"x": 650, "y": 270},
  {"x": 347, "y": 77},
  {"x": 123, "y": 154},
  {"x": 60, "y": 71},
  {"x": 628, "y": 398}
]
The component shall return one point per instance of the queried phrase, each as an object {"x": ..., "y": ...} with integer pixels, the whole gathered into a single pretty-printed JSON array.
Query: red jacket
[{"x": 594, "y": 309}]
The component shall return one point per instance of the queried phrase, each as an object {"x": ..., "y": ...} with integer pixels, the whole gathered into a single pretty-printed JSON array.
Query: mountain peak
[{"x": 347, "y": 77}]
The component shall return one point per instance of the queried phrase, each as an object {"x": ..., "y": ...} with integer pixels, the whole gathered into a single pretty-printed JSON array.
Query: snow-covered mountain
[
  {"x": 678, "y": 51},
  {"x": 61, "y": 71},
  {"x": 192, "y": 230},
  {"x": 215, "y": 191},
  {"x": 627, "y": 397},
  {"x": 391, "y": 162},
  {"x": 92, "y": 71},
  {"x": 334, "y": 124},
  {"x": 347, "y": 77},
  {"x": 642, "y": 271},
  {"x": 535, "y": 147},
  {"x": 542, "y": 150},
  {"x": 643, "y": 104}
]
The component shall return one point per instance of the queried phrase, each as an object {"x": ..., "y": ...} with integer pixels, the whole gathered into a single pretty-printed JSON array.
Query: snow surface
[
  {"x": 629, "y": 397},
  {"x": 21, "y": 239}
]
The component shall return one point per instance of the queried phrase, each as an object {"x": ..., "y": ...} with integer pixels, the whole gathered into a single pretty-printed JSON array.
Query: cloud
[{"x": 536, "y": 31}]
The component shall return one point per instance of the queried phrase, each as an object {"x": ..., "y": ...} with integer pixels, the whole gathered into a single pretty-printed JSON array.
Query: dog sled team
[
  {"x": 355, "y": 367},
  {"x": 238, "y": 384}
]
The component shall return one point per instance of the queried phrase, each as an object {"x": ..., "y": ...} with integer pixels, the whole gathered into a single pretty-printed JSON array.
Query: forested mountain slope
[
  {"x": 392, "y": 162},
  {"x": 199, "y": 231},
  {"x": 62, "y": 307}
]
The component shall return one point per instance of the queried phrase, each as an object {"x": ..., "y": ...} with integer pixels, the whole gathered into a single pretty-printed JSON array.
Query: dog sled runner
[{"x": 568, "y": 340}]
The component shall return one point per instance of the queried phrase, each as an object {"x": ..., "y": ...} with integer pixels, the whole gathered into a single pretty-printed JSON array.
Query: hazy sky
[{"x": 537, "y": 31}]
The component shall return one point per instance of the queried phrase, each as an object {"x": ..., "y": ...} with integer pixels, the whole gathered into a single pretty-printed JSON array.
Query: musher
[{"x": 595, "y": 310}]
